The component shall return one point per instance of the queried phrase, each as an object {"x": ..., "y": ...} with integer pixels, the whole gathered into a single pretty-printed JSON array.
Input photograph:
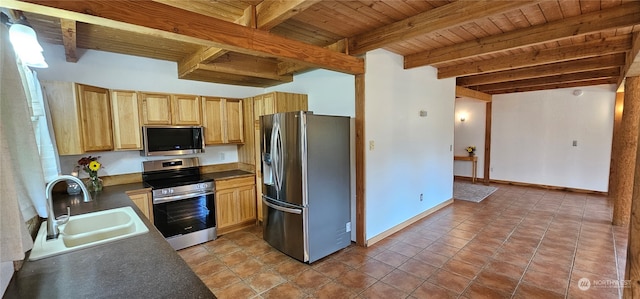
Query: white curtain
[{"x": 20, "y": 170}]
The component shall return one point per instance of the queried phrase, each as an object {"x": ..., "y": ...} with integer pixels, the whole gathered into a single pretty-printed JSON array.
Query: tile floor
[{"x": 518, "y": 243}]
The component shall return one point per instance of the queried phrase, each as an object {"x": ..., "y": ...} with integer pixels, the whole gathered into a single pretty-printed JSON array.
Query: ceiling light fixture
[{"x": 25, "y": 43}]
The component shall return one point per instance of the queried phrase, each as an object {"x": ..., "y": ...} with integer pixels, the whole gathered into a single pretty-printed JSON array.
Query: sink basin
[{"x": 88, "y": 230}]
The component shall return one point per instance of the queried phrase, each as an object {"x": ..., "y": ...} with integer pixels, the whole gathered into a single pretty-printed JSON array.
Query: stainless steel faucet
[{"x": 52, "y": 223}]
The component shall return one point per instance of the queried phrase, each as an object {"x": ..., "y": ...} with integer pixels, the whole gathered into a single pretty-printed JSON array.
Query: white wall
[
  {"x": 410, "y": 153},
  {"x": 532, "y": 135},
  {"x": 467, "y": 133},
  {"x": 117, "y": 71},
  {"x": 329, "y": 92}
]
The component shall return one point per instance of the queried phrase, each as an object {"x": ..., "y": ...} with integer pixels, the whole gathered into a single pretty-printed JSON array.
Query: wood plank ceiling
[{"x": 490, "y": 46}]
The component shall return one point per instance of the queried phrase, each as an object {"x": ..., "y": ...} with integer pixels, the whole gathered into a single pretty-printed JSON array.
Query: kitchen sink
[{"x": 86, "y": 230}]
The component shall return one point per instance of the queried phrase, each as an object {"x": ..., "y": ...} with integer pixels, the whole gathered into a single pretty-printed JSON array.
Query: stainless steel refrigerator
[{"x": 306, "y": 183}]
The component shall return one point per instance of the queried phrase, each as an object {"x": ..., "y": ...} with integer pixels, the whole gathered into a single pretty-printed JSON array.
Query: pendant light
[{"x": 25, "y": 43}]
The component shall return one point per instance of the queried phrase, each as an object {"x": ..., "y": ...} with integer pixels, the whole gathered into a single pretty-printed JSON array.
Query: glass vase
[{"x": 94, "y": 183}]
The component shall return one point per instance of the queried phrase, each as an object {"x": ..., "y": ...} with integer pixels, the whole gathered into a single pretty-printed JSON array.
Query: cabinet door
[
  {"x": 156, "y": 108},
  {"x": 213, "y": 120},
  {"x": 225, "y": 209},
  {"x": 95, "y": 113},
  {"x": 143, "y": 202},
  {"x": 234, "y": 121},
  {"x": 246, "y": 197},
  {"x": 65, "y": 119},
  {"x": 186, "y": 110},
  {"x": 126, "y": 120}
]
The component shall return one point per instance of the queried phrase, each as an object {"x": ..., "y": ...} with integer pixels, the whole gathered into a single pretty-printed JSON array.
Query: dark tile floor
[{"x": 518, "y": 243}]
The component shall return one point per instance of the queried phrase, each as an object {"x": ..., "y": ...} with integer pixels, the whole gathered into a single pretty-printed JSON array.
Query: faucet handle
[{"x": 62, "y": 219}]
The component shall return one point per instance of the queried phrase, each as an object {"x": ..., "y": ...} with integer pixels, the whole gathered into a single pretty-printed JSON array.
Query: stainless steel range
[{"x": 183, "y": 201}]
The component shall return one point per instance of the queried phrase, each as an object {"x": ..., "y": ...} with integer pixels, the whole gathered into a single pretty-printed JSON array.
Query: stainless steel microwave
[{"x": 172, "y": 140}]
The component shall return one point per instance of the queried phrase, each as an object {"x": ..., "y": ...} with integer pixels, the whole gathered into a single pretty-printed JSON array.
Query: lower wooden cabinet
[
  {"x": 235, "y": 204},
  {"x": 142, "y": 199}
]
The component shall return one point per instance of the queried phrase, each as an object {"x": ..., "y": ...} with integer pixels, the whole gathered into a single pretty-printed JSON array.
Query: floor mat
[{"x": 471, "y": 192}]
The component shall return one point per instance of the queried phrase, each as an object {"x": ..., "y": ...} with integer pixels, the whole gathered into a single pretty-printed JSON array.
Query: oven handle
[{"x": 179, "y": 197}]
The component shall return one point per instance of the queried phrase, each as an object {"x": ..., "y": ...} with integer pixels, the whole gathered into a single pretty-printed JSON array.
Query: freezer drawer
[{"x": 283, "y": 228}]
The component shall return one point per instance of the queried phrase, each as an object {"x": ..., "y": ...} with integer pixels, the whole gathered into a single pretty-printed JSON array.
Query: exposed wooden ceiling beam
[
  {"x": 271, "y": 13},
  {"x": 624, "y": 15},
  {"x": 245, "y": 65},
  {"x": 161, "y": 20},
  {"x": 209, "y": 54},
  {"x": 291, "y": 67},
  {"x": 573, "y": 66},
  {"x": 546, "y": 80},
  {"x": 68, "y": 28},
  {"x": 603, "y": 46},
  {"x": 440, "y": 18},
  {"x": 632, "y": 66},
  {"x": 474, "y": 94},
  {"x": 558, "y": 85}
]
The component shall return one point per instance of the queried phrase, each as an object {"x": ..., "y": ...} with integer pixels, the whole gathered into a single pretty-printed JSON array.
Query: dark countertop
[
  {"x": 229, "y": 174},
  {"x": 143, "y": 266}
]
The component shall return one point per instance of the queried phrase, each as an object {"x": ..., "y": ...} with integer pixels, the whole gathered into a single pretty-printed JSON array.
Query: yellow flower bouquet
[
  {"x": 471, "y": 150},
  {"x": 91, "y": 166}
]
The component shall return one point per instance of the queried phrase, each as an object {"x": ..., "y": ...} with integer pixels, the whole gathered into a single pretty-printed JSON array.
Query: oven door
[{"x": 184, "y": 215}]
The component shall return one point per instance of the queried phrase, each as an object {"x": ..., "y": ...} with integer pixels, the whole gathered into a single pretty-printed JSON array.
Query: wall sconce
[
  {"x": 463, "y": 117},
  {"x": 25, "y": 44}
]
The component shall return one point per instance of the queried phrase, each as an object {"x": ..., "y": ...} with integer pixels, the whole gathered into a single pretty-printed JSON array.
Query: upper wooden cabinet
[
  {"x": 155, "y": 108},
  {"x": 167, "y": 109},
  {"x": 65, "y": 111},
  {"x": 222, "y": 120},
  {"x": 81, "y": 117},
  {"x": 95, "y": 112},
  {"x": 186, "y": 110},
  {"x": 126, "y": 120},
  {"x": 274, "y": 102}
]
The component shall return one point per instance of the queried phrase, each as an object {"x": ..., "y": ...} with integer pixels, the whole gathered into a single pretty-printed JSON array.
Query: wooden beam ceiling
[
  {"x": 68, "y": 28},
  {"x": 474, "y": 94},
  {"x": 272, "y": 13},
  {"x": 599, "y": 47},
  {"x": 441, "y": 18},
  {"x": 617, "y": 17},
  {"x": 632, "y": 67},
  {"x": 560, "y": 68},
  {"x": 556, "y": 85},
  {"x": 159, "y": 19},
  {"x": 608, "y": 73}
]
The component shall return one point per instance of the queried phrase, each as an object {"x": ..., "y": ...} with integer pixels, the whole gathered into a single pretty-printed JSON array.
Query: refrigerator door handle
[
  {"x": 279, "y": 208},
  {"x": 278, "y": 161}
]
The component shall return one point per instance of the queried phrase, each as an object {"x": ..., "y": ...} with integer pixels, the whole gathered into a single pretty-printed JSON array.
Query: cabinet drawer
[{"x": 235, "y": 182}]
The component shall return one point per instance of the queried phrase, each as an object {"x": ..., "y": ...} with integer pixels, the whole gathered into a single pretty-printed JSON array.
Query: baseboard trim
[
  {"x": 405, "y": 224},
  {"x": 550, "y": 187}
]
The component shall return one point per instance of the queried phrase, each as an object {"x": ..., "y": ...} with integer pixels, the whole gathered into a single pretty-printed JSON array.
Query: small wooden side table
[{"x": 474, "y": 161}]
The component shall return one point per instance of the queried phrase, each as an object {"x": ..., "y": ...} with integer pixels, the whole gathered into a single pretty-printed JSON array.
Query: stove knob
[
  {"x": 203, "y": 186},
  {"x": 171, "y": 191},
  {"x": 164, "y": 191}
]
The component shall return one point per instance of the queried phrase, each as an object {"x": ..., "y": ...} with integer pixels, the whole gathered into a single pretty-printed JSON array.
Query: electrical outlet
[
  {"x": 421, "y": 196},
  {"x": 348, "y": 226},
  {"x": 575, "y": 143},
  {"x": 371, "y": 145},
  {"x": 491, "y": 169}
]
